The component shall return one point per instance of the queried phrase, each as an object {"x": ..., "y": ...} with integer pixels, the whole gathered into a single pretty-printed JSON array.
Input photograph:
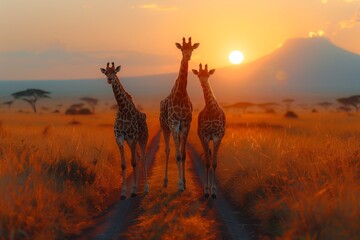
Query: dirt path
[
  {"x": 232, "y": 224},
  {"x": 114, "y": 222},
  {"x": 165, "y": 213},
  {"x": 168, "y": 214}
]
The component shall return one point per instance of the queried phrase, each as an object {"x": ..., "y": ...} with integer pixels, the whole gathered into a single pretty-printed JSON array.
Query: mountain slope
[
  {"x": 306, "y": 68},
  {"x": 301, "y": 67}
]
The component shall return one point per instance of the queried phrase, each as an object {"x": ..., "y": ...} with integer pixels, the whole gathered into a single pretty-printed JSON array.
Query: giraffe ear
[
  {"x": 118, "y": 68},
  {"x": 195, "y": 72},
  {"x": 178, "y": 45},
  {"x": 211, "y": 72},
  {"x": 195, "y": 45},
  {"x": 102, "y": 70}
]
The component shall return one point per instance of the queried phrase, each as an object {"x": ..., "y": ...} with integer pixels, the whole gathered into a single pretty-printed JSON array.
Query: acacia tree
[
  {"x": 240, "y": 105},
  {"x": 91, "y": 101},
  {"x": 288, "y": 103},
  {"x": 268, "y": 106},
  {"x": 31, "y": 96},
  {"x": 325, "y": 104},
  {"x": 353, "y": 101}
]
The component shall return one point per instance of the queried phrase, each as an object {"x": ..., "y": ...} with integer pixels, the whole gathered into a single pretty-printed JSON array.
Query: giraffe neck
[
  {"x": 181, "y": 81},
  {"x": 123, "y": 99},
  {"x": 208, "y": 94}
]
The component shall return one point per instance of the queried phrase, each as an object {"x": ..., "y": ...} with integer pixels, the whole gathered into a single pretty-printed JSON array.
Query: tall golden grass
[
  {"x": 296, "y": 179},
  {"x": 55, "y": 177}
]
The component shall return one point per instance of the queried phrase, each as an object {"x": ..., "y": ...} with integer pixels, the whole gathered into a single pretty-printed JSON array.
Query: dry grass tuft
[
  {"x": 55, "y": 178},
  {"x": 300, "y": 181}
]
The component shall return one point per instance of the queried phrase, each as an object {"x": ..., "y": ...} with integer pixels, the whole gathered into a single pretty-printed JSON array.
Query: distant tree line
[{"x": 346, "y": 104}]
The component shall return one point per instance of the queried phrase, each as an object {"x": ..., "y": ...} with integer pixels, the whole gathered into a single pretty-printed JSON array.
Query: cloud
[
  {"x": 156, "y": 7},
  {"x": 352, "y": 22},
  {"x": 56, "y": 62},
  {"x": 319, "y": 33}
]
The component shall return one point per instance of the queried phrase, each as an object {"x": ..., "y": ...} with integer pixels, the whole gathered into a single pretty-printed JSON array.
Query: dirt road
[
  {"x": 114, "y": 222},
  {"x": 232, "y": 223},
  {"x": 165, "y": 213}
]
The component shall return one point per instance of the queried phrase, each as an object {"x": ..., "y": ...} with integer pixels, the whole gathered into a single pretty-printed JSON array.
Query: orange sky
[{"x": 43, "y": 39}]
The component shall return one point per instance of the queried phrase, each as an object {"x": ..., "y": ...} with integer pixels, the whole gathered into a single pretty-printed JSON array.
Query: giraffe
[
  {"x": 176, "y": 115},
  {"x": 130, "y": 127},
  {"x": 211, "y": 127}
]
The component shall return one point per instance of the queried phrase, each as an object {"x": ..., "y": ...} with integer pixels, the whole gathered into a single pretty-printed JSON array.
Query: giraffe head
[
  {"x": 110, "y": 72},
  {"x": 187, "y": 48},
  {"x": 203, "y": 74}
]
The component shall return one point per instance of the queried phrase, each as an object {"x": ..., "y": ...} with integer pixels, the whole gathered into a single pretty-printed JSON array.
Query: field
[
  {"x": 295, "y": 178},
  {"x": 290, "y": 178},
  {"x": 56, "y": 176}
]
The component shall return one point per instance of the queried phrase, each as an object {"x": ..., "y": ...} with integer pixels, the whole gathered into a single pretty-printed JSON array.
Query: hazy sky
[{"x": 69, "y": 39}]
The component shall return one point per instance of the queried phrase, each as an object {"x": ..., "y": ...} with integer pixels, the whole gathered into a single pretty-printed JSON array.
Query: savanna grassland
[
  {"x": 55, "y": 176},
  {"x": 293, "y": 178}
]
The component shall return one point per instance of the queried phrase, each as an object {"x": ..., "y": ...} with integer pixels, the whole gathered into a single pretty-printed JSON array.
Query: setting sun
[{"x": 236, "y": 57}]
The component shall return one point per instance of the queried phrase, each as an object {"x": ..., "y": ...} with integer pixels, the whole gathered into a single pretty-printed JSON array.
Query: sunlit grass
[
  {"x": 55, "y": 177},
  {"x": 293, "y": 178},
  {"x": 296, "y": 179}
]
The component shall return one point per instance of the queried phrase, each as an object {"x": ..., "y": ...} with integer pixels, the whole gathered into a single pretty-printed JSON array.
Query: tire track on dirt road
[
  {"x": 115, "y": 221},
  {"x": 170, "y": 214},
  {"x": 232, "y": 224}
]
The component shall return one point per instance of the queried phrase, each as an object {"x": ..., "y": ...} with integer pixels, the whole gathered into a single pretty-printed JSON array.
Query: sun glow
[{"x": 236, "y": 57}]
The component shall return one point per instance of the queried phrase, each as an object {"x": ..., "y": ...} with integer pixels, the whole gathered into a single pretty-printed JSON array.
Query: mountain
[{"x": 304, "y": 67}]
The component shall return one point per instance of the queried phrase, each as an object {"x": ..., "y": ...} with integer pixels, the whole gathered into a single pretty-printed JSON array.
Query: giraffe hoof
[
  {"x": 165, "y": 183},
  {"x": 123, "y": 197},
  {"x": 146, "y": 189},
  {"x": 213, "y": 196},
  {"x": 181, "y": 186},
  {"x": 133, "y": 195},
  {"x": 206, "y": 195}
]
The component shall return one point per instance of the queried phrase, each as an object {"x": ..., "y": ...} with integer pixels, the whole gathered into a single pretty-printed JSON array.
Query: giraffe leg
[
  {"x": 205, "y": 144},
  {"x": 183, "y": 169},
  {"x": 120, "y": 143},
  {"x": 176, "y": 136},
  {"x": 217, "y": 143},
  {"x": 137, "y": 169},
  {"x": 143, "y": 158},
  {"x": 134, "y": 159},
  {"x": 183, "y": 140},
  {"x": 166, "y": 134}
]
